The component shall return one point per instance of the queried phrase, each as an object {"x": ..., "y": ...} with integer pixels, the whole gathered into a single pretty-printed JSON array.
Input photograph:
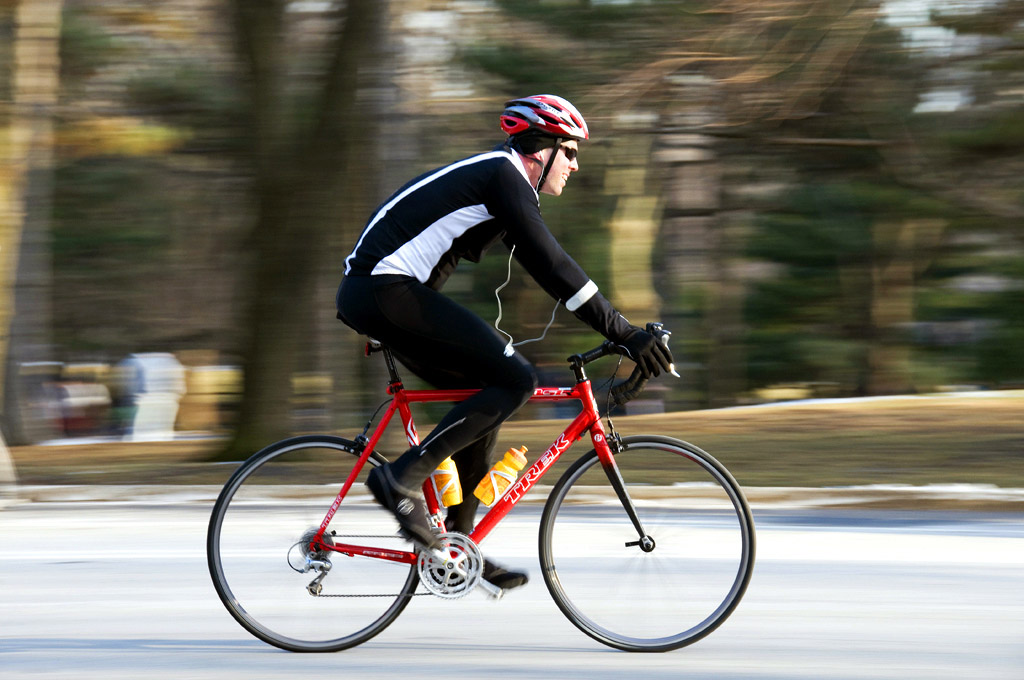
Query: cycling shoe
[
  {"x": 501, "y": 577},
  {"x": 409, "y": 508}
]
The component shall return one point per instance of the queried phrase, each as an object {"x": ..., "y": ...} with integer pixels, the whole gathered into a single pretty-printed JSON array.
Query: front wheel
[
  {"x": 272, "y": 582},
  {"x": 667, "y": 586}
]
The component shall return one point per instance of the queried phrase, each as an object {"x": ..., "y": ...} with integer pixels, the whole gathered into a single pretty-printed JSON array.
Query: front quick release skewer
[{"x": 646, "y": 544}]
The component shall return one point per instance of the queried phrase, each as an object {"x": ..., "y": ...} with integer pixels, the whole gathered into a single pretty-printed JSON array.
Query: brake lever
[{"x": 657, "y": 329}]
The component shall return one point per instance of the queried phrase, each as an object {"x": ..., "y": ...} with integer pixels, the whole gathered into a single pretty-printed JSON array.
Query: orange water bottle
[
  {"x": 446, "y": 483},
  {"x": 496, "y": 483}
]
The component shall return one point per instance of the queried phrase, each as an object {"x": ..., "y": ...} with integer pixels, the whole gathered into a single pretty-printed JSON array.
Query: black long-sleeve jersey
[{"x": 459, "y": 211}]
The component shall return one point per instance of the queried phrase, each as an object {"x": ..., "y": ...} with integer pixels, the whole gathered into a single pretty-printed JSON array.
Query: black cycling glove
[{"x": 649, "y": 353}]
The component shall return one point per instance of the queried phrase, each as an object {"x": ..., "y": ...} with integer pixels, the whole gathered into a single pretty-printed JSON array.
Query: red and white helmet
[{"x": 544, "y": 113}]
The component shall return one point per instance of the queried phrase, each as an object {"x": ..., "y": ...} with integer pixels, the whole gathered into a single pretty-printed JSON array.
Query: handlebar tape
[{"x": 630, "y": 388}]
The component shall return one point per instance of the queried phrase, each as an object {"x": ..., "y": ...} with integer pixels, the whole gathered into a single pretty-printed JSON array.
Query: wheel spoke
[
  {"x": 261, "y": 563},
  {"x": 672, "y": 585}
]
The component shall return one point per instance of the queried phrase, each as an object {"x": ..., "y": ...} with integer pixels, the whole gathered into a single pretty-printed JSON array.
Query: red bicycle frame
[{"x": 589, "y": 419}]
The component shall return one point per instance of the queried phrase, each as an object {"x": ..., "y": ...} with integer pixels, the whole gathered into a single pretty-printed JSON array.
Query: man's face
[{"x": 561, "y": 168}]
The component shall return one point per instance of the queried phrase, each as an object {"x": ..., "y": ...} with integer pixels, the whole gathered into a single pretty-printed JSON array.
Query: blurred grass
[{"x": 906, "y": 440}]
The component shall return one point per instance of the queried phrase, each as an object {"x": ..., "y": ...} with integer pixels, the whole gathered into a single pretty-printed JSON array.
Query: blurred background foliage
[{"x": 815, "y": 195}]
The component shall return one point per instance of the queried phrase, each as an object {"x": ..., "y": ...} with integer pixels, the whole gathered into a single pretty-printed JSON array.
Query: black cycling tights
[{"x": 450, "y": 347}]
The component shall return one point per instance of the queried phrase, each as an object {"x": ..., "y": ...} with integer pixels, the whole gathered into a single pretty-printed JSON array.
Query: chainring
[{"x": 458, "y": 574}]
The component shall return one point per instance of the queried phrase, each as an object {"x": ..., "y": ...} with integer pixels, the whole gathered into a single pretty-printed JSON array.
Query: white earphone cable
[{"x": 509, "y": 351}]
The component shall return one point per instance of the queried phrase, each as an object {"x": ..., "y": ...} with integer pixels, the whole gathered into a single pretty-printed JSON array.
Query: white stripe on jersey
[
  {"x": 426, "y": 180},
  {"x": 418, "y": 256}
]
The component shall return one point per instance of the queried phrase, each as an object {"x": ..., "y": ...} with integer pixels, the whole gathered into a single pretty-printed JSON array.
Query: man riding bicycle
[{"x": 406, "y": 252}]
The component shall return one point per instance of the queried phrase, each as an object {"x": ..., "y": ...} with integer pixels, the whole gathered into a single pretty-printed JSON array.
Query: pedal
[{"x": 492, "y": 591}]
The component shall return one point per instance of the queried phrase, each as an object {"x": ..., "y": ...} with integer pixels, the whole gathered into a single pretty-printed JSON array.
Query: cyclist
[{"x": 407, "y": 250}]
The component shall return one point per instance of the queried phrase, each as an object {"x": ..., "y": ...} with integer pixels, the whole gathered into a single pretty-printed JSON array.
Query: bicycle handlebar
[
  {"x": 626, "y": 390},
  {"x": 604, "y": 349},
  {"x": 629, "y": 389}
]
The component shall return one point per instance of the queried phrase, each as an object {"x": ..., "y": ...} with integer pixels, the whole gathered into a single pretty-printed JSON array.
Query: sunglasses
[{"x": 570, "y": 153}]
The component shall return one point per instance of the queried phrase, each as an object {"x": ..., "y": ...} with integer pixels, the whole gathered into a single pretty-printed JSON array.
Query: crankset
[{"x": 453, "y": 570}]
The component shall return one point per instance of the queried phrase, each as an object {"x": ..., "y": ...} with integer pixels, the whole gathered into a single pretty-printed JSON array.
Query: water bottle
[
  {"x": 500, "y": 478},
  {"x": 446, "y": 483}
]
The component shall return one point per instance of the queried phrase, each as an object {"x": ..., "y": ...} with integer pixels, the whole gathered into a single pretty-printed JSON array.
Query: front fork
[{"x": 607, "y": 447}]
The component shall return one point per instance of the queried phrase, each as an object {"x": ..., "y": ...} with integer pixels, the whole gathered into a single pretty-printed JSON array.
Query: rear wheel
[
  {"x": 258, "y": 550},
  {"x": 669, "y": 587}
]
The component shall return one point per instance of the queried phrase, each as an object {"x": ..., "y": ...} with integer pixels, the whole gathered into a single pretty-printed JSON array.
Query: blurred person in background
[{"x": 391, "y": 292}]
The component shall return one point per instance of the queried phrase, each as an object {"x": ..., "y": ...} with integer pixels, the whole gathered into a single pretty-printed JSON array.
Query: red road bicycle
[{"x": 646, "y": 542}]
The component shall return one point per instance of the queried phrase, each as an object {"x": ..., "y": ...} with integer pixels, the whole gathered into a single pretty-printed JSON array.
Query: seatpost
[
  {"x": 389, "y": 361},
  {"x": 374, "y": 346}
]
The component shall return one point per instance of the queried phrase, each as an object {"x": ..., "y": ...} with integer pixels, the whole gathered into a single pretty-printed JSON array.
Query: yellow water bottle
[
  {"x": 446, "y": 483},
  {"x": 496, "y": 483}
]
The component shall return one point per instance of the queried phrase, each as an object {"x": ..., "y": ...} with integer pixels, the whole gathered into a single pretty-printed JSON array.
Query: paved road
[{"x": 107, "y": 590}]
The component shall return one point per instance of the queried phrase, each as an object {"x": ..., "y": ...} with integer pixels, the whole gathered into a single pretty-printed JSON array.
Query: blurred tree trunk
[
  {"x": 907, "y": 244},
  {"x": 699, "y": 243},
  {"x": 26, "y": 163},
  {"x": 298, "y": 174},
  {"x": 892, "y": 310}
]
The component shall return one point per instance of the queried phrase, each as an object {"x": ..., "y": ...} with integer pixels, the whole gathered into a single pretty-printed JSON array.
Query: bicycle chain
[
  {"x": 368, "y": 594},
  {"x": 372, "y": 595},
  {"x": 390, "y": 594}
]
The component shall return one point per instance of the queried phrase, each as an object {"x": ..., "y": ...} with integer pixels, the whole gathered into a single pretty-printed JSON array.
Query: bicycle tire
[
  {"x": 275, "y": 498},
  {"x": 687, "y": 585}
]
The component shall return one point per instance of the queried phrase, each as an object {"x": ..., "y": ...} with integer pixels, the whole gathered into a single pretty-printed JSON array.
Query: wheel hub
[
  {"x": 302, "y": 558},
  {"x": 646, "y": 543}
]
